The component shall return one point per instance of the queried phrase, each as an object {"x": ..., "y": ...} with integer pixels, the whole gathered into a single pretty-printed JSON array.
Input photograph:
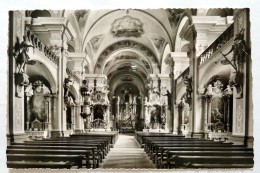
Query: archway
[{"x": 126, "y": 106}]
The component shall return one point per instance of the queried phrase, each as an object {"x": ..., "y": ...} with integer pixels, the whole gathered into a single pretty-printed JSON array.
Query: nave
[{"x": 127, "y": 154}]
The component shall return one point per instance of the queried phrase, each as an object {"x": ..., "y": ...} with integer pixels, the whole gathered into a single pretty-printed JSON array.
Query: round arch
[
  {"x": 39, "y": 68},
  {"x": 178, "y": 40},
  {"x": 166, "y": 54},
  {"x": 124, "y": 45},
  {"x": 140, "y": 60},
  {"x": 87, "y": 31}
]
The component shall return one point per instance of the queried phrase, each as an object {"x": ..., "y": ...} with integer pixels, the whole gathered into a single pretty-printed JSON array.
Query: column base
[
  {"x": 77, "y": 131},
  {"x": 242, "y": 140},
  {"x": 175, "y": 133},
  {"x": 66, "y": 133},
  {"x": 56, "y": 134},
  {"x": 16, "y": 138},
  {"x": 199, "y": 135}
]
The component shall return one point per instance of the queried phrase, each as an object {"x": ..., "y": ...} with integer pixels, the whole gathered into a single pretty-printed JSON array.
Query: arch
[
  {"x": 178, "y": 40},
  {"x": 35, "y": 78},
  {"x": 90, "y": 63},
  {"x": 141, "y": 60},
  {"x": 70, "y": 48},
  {"x": 40, "y": 69},
  {"x": 223, "y": 12},
  {"x": 212, "y": 70},
  {"x": 128, "y": 66},
  {"x": 77, "y": 40},
  {"x": 166, "y": 54},
  {"x": 125, "y": 44},
  {"x": 116, "y": 81},
  {"x": 185, "y": 48},
  {"x": 74, "y": 92},
  {"x": 40, "y": 13},
  {"x": 86, "y": 33},
  {"x": 180, "y": 92}
]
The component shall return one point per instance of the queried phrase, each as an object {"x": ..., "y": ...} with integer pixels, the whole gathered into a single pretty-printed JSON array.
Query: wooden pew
[
  {"x": 155, "y": 147},
  {"x": 168, "y": 152},
  {"x": 141, "y": 135},
  {"x": 158, "y": 156},
  {"x": 76, "y": 159},
  {"x": 51, "y": 151},
  {"x": 184, "y": 161},
  {"x": 179, "y": 152},
  {"x": 171, "y": 154},
  {"x": 102, "y": 147},
  {"x": 219, "y": 166},
  {"x": 33, "y": 164},
  {"x": 113, "y": 135},
  {"x": 93, "y": 158}
]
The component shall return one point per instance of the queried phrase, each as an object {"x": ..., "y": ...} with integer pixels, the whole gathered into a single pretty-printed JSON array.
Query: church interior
[{"x": 130, "y": 88}]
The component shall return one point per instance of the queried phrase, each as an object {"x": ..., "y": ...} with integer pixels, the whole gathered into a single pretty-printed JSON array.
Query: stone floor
[{"x": 127, "y": 154}]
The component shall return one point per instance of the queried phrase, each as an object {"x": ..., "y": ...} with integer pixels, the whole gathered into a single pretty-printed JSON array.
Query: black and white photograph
[{"x": 160, "y": 89}]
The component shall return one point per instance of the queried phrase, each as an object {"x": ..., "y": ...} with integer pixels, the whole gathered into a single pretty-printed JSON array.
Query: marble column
[
  {"x": 228, "y": 113},
  {"x": 27, "y": 112},
  {"x": 205, "y": 112},
  {"x": 56, "y": 119},
  {"x": 209, "y": 99},
  {"x": 73, "y": 116},
  {"x": 47, "y": 109},
  {"x": 79, "y": 125},
  {"x": 146, "y": 116},
  {"x": 109, "y": 124}
]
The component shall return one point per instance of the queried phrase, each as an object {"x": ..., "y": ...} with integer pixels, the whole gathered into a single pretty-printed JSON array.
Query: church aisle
[{"x": 127, "y": 154}]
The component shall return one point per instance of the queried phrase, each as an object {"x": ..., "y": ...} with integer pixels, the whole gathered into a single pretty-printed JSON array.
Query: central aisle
[{"x": 127, "y": 154}]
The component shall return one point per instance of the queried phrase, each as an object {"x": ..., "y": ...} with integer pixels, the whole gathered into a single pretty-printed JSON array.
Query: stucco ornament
[{"x": 127, "y": 26}]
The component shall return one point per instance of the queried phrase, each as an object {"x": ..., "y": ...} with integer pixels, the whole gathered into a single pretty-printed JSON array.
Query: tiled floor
[{"x": 127, "y": 154}]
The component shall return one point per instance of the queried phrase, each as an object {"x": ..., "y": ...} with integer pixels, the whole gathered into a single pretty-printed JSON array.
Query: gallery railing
[
  {"x": 37, "y": 43},
  {"x": 217, "y": 44}
]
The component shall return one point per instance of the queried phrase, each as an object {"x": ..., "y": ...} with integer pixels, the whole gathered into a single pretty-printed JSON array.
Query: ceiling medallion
[{"x": 127, "y": 27}]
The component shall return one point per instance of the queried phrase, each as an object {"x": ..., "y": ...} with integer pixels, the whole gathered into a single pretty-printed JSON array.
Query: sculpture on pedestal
[
  {"x": 21, "y": 56},
  {"x": 188, "y": 83},
  {"x": 169, "y": 99},
  {"x": 240, "y": 52},
  {"x": 21, "y": 59},
  {"x": 67, "y": 84}
]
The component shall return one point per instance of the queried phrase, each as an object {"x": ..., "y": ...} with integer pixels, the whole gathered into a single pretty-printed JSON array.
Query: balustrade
[
  {"x": 217, "y": 44},
  {"x": 37, "y": 43}
]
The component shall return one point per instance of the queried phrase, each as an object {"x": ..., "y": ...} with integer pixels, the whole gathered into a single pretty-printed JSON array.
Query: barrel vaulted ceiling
[{"x": 123, "y": 42}]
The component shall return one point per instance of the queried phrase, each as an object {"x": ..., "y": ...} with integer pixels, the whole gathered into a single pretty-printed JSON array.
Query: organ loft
[{"x": 85, "y": 85}]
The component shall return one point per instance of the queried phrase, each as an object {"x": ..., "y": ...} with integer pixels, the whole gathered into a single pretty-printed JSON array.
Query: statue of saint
[
  {"x": 188, "y": 83},
  {"x": 67, "y": 83},
  {"x": 169, "y": 99},
  {"x": 240, "y": 51},
  {"x": 21, "y": 55}
]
